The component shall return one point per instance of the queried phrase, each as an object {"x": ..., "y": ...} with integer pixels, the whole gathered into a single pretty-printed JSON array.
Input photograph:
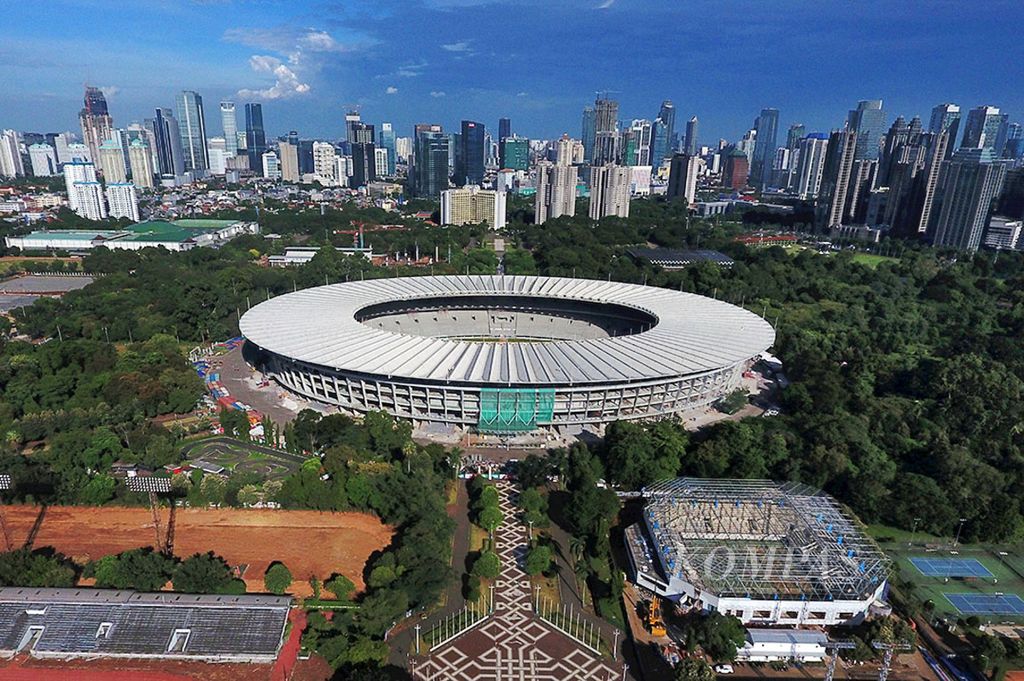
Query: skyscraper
[
  {"x": 682, "y": 177},
  {"x": 946, "y": 117},
  {"x": 835, "y": 178},
  {"x": 588, "y": 133},
  {"x": 10, "y": 155},
  {"x": 431, "y": 149},
  {"x": 515, "y": 153},
  {"x": 556, "y": 191},
  {"x": 112, "y": 161},
  {"x": 364, "y": 163},
  {"x": 141, "y": 162},
  {"x": 662, "y": 132},
  {"x": 192, "y": 125},
  {"x": 968, "y": 184},
  {"x": 97, "y": 125},
  {"x": 362, "y": 132},
  {"x": 85, "y": 194},
  {"x": 609, "y": 191},
  {"x": 352, "y": 119},
  {"x": 43, "y": 160},
  {"x": 229, "y": 123},
  {"x": 868, "y": 121},
  {"x": 470, "y": 169},
  {"x": 255, "y": 137},
  {"x": 606, "y": 132},
  {"x": 982, "y": 128},
  {"x": 123, "y": 200},
  {"x": 271, "y": 165},
  {"x": 810, "y": 164},
  {"x": 690, "y": 143},
  {"x": 170, "y": 157},
  {"x": 386, "y": 140},
  {"x": 324, "y": 165},
  {"x": 504, "y": 128},
  {"x": 764, "y": 151},
  {"x": 288, "y": 158},
  {"x": 640, "y": 152}
]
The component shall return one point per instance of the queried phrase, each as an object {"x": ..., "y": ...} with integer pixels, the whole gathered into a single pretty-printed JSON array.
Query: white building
[
  {"x": 61, "y": 143},
  {"x": 271, "y": 166},
  {"x": 43, "y": 159},
  {"x": 1004, "y": 233},
  {"x": 640, "y": 180},
  {"x": 325, "y": 166},
  {"x": 403, "y": 148},
  {"x": 473, "y": 205},
  {"x": 230, "y": 126},
  {"x": 770, "y": 645},
  {"x": 77, "y": 152},
  {"x": 124, "y": 202},
  {"x": 609, "y": 191},
  {"x": 10, "y": 155},
  {"x": 343, "y": 170},
  {"x": 556, "y": 191},
  {"x": 112, "y": 162},
  {"x": 380, "y": 161},
  {"x": 810, "y": 165},
  {"x": 85, "y": 195}
]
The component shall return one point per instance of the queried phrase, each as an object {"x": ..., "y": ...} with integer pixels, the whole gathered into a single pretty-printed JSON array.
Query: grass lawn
[{"x": 872, "y": 260}]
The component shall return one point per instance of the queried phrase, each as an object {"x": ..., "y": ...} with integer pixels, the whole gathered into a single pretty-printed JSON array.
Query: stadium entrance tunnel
[{"x": 486, "y": 318}]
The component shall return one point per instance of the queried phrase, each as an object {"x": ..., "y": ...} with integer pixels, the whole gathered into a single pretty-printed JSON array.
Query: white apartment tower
[
  {"x": 142, "y": 164},
  {"x": 324, "y": 165},
  {"x": 609, "y": 191},
  {"x": 124, "y": 202},
  {"x": 43, "y": 159}
]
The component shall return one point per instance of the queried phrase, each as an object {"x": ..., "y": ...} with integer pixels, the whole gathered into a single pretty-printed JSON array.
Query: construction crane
[
  {"x": 890, "y": 649},
  {"x": 654, "y": 620},
  {"x": 835, "y": 647},
  {"x": 6, "y": 483},
  {"x": 153, "y": 486}
]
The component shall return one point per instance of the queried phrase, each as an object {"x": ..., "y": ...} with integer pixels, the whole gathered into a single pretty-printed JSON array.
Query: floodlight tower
[
  {"x": 153, "y": 486},
  {"x": 890, "y": 649},
  {"x": 6, "y": 483},
  {"x": 835, "y": 647}
]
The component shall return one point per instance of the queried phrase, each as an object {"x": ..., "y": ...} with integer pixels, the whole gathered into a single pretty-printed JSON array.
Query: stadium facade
[
  {"x": 505, "y": 354},
  {"x": 768, "y": 553}
]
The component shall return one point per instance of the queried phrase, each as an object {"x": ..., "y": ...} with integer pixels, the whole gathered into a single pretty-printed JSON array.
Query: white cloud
[
  {"x": 521, "y": 94},
  {"x": 411, "y": 69},
  {"x": 606, "y": 4},
  {"x": 461, "y": 46},
  {"x": 109, "y": 91},
  {"x": 437, "y": 93},
  {"x": 286, "y": 82},
  {"x": 391, "y": 90}
]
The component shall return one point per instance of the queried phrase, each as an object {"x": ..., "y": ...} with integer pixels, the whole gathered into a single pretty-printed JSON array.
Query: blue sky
[{"x": 536, "y": 61}]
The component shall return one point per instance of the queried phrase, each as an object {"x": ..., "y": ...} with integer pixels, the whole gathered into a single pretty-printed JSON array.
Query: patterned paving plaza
[{"x": 513, "y": 643}]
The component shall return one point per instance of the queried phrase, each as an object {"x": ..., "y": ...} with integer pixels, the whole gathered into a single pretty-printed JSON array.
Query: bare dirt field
[{"x": 310, "y": 543}]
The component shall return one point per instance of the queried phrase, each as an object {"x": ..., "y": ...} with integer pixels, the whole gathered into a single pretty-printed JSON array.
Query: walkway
[{"x": 513, "y": 643}]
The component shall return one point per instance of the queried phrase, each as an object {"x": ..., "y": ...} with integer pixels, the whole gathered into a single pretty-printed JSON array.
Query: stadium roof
[
  {"x": 693, "y": 334},
  {"x": 113, "y": 623},
  {"x": 761, "y": 539}
]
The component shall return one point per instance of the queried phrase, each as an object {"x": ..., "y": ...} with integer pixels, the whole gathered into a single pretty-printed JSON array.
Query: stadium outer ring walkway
[{"x": 661, "y": 352}]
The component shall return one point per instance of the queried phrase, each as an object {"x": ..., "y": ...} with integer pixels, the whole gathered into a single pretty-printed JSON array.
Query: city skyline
[{"x": 307, "y": 65}]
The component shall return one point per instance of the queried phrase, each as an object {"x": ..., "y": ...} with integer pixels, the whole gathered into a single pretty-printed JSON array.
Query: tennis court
[
  {"x": 951, "y": 567},
  {"x": 987, "y": 604}
]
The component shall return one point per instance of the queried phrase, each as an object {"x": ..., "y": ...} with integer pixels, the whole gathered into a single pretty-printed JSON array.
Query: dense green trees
[
  {"x": 277, "y": 578},
  {"x": 140, "y": 569},
  {"x": 206, "y": 573},
  {"x": 39, "y": 568},
  {"x": 693, "y": 669}
]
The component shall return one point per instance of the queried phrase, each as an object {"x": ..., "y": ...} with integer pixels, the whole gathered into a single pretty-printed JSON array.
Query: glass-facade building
[{"x": 192, "y": 126}]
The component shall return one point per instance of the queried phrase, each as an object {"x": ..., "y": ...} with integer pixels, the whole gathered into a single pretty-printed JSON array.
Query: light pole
[
  {"x": 536, "y": 592},
  {"x": 615, "y": 645},
  {"x": 956, "y": 542},
  {"x": 913, "y": 532},
  {"x": 492, "y": 597},
  {"x": 417, "y": 628},
  {"x": 531, "y": 529}
]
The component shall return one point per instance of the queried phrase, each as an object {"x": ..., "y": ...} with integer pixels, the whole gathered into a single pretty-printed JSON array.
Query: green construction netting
[{"x": 514, "y": 410}]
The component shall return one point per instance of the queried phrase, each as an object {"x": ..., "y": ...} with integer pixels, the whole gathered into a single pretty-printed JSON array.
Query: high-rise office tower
[
  {"x": 796, "y": 132},
  {"x": 588, "y": 133},
  {"x": 606, "y": 132},
  {"x": 982, "y": 128},
  {"x": 470, "y": 168},
  {"x": 288, "y": 158},
  {"x": 868, "y": 121},
  {"x": 764, "y": 151},
  {"x": 735, "y": 169},
  {"x": 380, "y": 162},
  {"x": 324, "y": 165},
  {"x": 170, "y": 157},
  {"x": 938, "y": 144},
  {"x": 364, "y": 163},
  {"x": 1014, "y": 146},
  {"x": 123, "y": 200},
  {"x": 504, "y": 128},
  {"x": 352, "y": 119},
  {"x": 85, "y": 194},
  {"x": 901, "y": 137},
  {"x": 431, "y": 151},
  {"x": 386, "y": 140},
  {"x": 946, "y": 117},
  {"x": 97, "y": 125},
  {"x": 43, "y": 159},
  {"x": 663, "y": 131},
  {"x": 835, "y": 178},
  {"x": 682, "y": 177},
  {"x": 10, "y": 155},
  {"x": 255, "y": 136},
  {"x": 192, "y": 125},
  {"x": 112, "y": 162},
  {"x": 362, "y": 133},
  {"x": 690, "y": 142},
  {"x": 514, "y": 154},
  {"x": 229, "y": 123},
  {"x": 609, "y": 191},
  {"x": 141, "y": 162},
  {"x": 968, "y": 184},
  {"x": 640, "y": 153},
  {"x": 556, "y": 191},
  {"x": 810, "y": 165}
]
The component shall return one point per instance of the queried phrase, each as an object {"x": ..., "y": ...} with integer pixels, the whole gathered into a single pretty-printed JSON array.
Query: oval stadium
[{"x": 505, "y": 354}]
